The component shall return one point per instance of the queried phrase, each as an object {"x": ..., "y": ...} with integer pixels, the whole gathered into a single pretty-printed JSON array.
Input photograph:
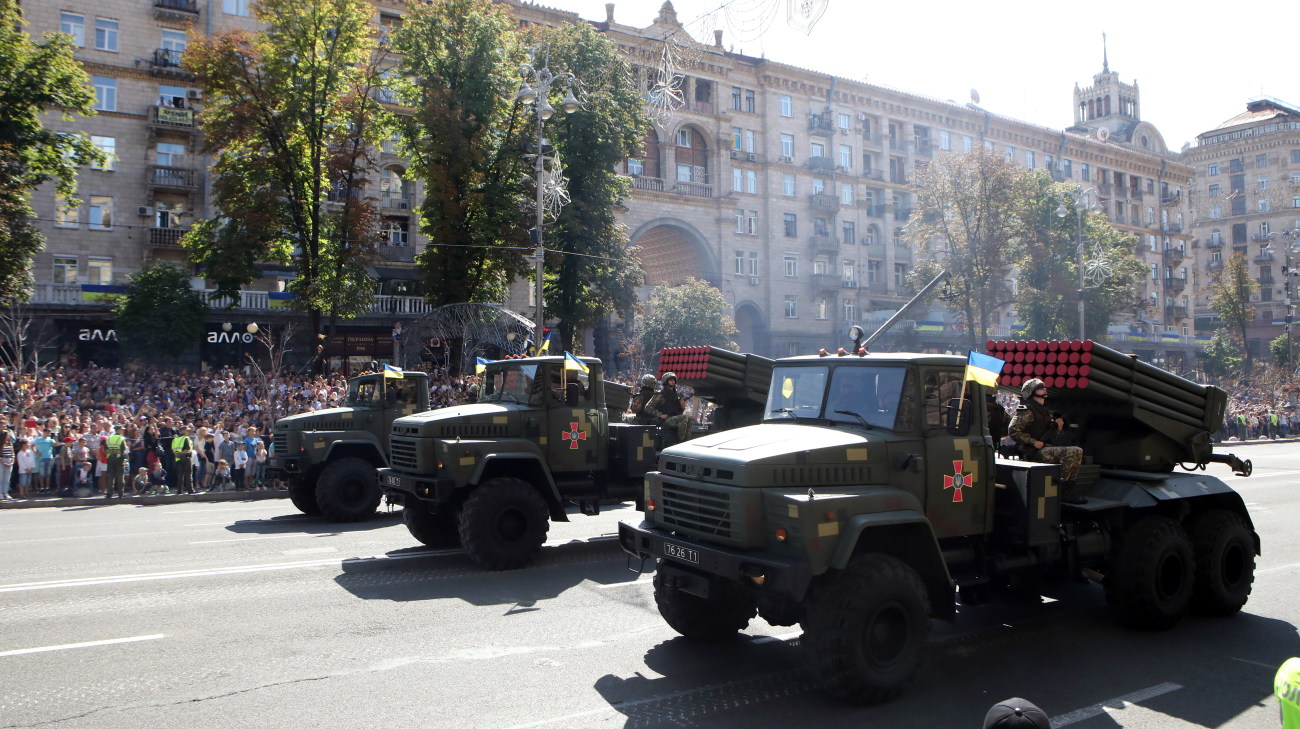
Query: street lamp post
[
  {"x": 1080, "y": 198},
  {"x": 535, "y": 90},
  {"x": 1292, "y": 238}
]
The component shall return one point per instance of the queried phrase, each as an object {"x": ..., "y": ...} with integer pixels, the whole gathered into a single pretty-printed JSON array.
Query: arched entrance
[
  {"x": 672, "y": 251},
  {"x": 751, "y": 326}
]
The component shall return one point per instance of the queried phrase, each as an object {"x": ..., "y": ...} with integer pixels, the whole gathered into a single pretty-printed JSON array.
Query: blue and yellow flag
[
  {"x": 983, "y": 368},
  {"x": 480, "y": 365},
  {"x": 573, "y": 363},
  {"x": 393, "y": 373},
  {"x": 546, "y": 343}
]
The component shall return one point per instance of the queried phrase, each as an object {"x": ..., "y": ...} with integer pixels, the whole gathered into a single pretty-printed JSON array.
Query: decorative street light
[
  {"x": 535, "y": 90},
  {"x": 1292, "y": 238},
  {"x": 1080, "y": 198}
]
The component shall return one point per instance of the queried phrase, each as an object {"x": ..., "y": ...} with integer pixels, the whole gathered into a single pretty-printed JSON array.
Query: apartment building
[
  {"x": 1246, "y": 200},
  {"x": 785, "y": 188}
]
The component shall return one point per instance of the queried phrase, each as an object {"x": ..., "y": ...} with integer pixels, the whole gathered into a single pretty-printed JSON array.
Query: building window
[
  {"x": 1261, "y": 160},
  {"x": 751, "y": 182},
  {"x": 898, "y": 237},
  {"x": 740, "y": 220},
  {"x": 107, "y": 145},
  {"x": 740, "y": 261},
  {"x": 787, "y": 105},
  {"x": 684, "y": 137},
  {"x": 791, "y": 306},
  {"x": 821, "y": 308},
  {"x": 873, "y": 272},
  {"x": 635, "y": 167},
  {"x": 966, "y": 143},
  {"x": 850, "y": 310},
  {"x": 736, "y": 133},
  {"x": 1085, "y": 172},
  {"x": 105, "y": 34},
  {"x": 1261, "y": 183},
  {"x": 818, "y": 185},
  {"x": 846, "y": 122},
  {"x": 737, "y": 180},
  {"x": 749, "y": 100},
  {"x": 900, "y": 275},
  {"x": 848, "y": 270},
  {"x": 396, "y": 232},
  {"x": 1214, "y": 190},
  {"x": 753, "y": 263},
  {"x": 1067, "y": 168},
  {"x": 846, "y": 193},
  {"x": 735, "y": 98},
  {"x": 65, "y": 215},
  {"x": 1263, "y": 205},
  {"x": 1029, "y": 158},
  {"x": 235, "y": 7},
  {"x": 787, "y": 146},
  {"x": 788, "y": 185},
  {"x": 1216, "y": 212},
  {"x": 65, "y": 270},
  {"x": 99, "y": 271},
  {"x": 846, "y": 156},
  {"x": 1213, "y": 169},
  {"x": 1009, "y": 154},
  {"x": 791, "y": 264},
  {"x": 791, "y": 223},
  {"x": 685, "y": 173},
  {"x": 105, "y": 93},
  {"x": 101, "y": 212},
  {"x": 816, "y": 149},
  {"x": 849, "y": 230},
  {"x": 869, "y": 238},
  {"x": 945, "y": 140},
  {"x": 1295, "y": 201},
  {"x": 1295, "y": 156},
  {"x": 75, "y": 26},
  {"x": 751, "y": 222},
  {"x": 173, "y": 96}
]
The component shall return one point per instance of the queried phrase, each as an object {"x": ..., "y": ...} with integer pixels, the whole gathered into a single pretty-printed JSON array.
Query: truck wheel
[
  {"x": 717, "y": 618},
  {"x": 865, "y": 629},
  {"x": 347, "y": 490},
  {"x": 432, "y": 530},
  {"x": 1225, "y": 563},
  {"x": 503, "y": 524},
  {"x": 303, "y": 497},
  {"x": 1151, "y": 575}
]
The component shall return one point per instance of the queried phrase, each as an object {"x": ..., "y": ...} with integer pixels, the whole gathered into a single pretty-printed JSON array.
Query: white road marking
[
  {"x": 1275, "y": 569},
  {"x": 89, "y": 644},
  {"x": 1116, "y": 704},
  {"x": 258, "y": 539},
  {"x": 1261, "y": 474},
  {"x": 309, "y": 550},
  {"x": 238, "y": 508}
]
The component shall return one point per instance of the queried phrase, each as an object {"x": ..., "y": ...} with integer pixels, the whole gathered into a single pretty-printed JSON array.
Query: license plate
[
  {"x": 391, "y": 479},
  {"x": 677, "y": 551}
]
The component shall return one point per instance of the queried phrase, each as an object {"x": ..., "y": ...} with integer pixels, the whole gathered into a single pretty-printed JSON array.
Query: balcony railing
[
  {"x": 172, "y": 177},
  {"x": 849, "y": 283},
  {"x": 825, "y": 281},
  {"x": 874, "y": 175},
  {"x": 1214, "y": 265},
  {"x": 821, "y": 124},
  {"x": 902, "y": 213},
  {"x": 395, "y": 203},
  {"x": 166, "y": 237},
  {"x": 1214, "y": 243},
  {"x": 1175, "y": 312},
  {"x": 824, "y": 242},
  {"x": 1259, "y": 237},
  {"x": 874, "y": 211},
  {"x": 1263, "y": 258},
  {"x": 167, "y": 62},
  {"x": 1173, "y": 256},
  {"x": 170, "y": 117},
  {"x": 821, "y": 164},
  {"x": 1266, "y": 280},
  {"x": 184, "y": 10},
  {"x": 692, "y": 189},
  {"x": 648, "y": 183},
  {"x": 1173, "y": 227},
  {"x": 825, "y": 201},
  {"x": 1175, "y": 283},
  {"x": 1173, "y": 199}
]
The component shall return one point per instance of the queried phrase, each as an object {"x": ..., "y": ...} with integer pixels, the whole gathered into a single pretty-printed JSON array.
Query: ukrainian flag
[
  {"x": 546, "y": 343},
  {"x": 573, "y": 363},
  {"x": 480, "y": 365},
  {"x": 983, "y": 368},
  {"x": 393, "y": 373}
]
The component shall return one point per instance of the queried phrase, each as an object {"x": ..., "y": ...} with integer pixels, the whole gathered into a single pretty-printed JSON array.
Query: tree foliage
[
  {"x": 1230, "y": 293},
  {"x": 291, "y": 117},
  {"x": 1047, "y": 292},
  {"x": 1221, "y": 357},
  {"x": 35, "y": 77},
  {"x": 970, "y": 219},
  {"x": 464, "y": 141},
  {"x": 158, "y": 310},
  {"x": 690, "y": 314},
  {"x": 598, "y": 272}
]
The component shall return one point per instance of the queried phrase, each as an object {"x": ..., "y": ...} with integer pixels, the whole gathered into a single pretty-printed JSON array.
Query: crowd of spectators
[
  {"x": 56, "y": 426},
  {"x": 1255, "y": 411}
]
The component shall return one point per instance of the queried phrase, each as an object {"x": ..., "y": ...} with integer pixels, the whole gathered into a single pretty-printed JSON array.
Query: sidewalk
[{"x": 45, "y": 500}]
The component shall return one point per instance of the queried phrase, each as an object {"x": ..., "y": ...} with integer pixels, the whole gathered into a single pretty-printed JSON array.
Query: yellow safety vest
[
  {"x": 1287, "y": 688},
  {"x": 180, "y": 444},
  {"x": 116, "y": 444}
]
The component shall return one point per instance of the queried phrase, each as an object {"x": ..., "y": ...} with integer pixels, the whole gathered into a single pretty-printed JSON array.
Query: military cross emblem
[
  {"x": 573, "y": 435},
  {"x": 957, "y": 481}
]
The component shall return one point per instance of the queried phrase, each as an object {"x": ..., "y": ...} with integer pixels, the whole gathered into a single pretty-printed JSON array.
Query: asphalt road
[{"x": 247, "y": 614}]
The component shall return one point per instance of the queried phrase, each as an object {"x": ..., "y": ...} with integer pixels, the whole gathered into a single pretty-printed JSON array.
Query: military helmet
[
  {"x": 648, "y": 381},
  {"x": 669, "y": 376},
  {"x": 1028, "y": 389}
]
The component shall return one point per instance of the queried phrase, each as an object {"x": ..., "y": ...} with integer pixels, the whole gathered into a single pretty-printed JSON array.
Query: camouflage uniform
[
  {"x": 1034, "y": 422},
  {"x": 667, "y": 406}
]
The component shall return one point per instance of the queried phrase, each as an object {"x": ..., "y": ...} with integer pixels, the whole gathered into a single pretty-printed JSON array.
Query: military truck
[
  {"x": 491, "y": 475},
  {"x": 328, "y": 457},
  {"x": 870, "y": 500}
]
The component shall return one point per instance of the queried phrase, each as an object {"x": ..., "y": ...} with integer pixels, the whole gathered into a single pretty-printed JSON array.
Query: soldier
[
  {"x": 641, "y": 400},
  {"x": 182, "y": 446},
  {"x": 116, "y": 447},
  {"x": 1034, "y": 430},
  {"x": 669, "y": 409}
]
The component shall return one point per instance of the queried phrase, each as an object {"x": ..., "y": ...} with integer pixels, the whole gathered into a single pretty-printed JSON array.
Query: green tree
[
  {"x": 1047, "y": 294},
  {"x": 464, "y": 141},
  {"x": 598, "y": 272},
  {"x": 292, "y": 118},
  {"x": 1282, "y": 348},
  {"x": 969, "y": 220},
  {"x": 1221, "y": 357},
  {"x": 690, "y": 314},
  {"x": 35, "y": 78},
  {"x": 1230, "y": 293},
  {"x": 159, "y": 313}
]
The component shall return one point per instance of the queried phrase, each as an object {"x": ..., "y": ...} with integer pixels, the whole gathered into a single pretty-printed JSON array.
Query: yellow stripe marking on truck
[
  {"x": 855, "y": 454},
  {"x": 498, "y": 420},
  {"x": 828, "y": 529},
  {"x": 467, "y": 461}
]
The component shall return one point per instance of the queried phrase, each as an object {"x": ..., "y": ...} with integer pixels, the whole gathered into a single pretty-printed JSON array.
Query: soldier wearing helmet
[
  {"x": 669, "y": 409},
  {"x": 637, "y": 411},
  {"x": 1034, "y": 429}
]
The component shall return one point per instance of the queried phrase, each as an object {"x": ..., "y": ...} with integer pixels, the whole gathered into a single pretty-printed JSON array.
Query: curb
[{"x": 44, "y": 503}]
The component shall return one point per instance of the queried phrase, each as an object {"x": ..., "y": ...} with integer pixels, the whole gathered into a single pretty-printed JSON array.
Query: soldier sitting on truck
[
  {"x": 1034, "y": 430},
  {"x": 636, "y": 412},
  {"x": 668, "y": 408}
]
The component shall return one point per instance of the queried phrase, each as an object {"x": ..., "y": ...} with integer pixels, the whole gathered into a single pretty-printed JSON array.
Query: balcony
[
  {"x": 1173, "y": 256},
  {"x": 849, "y": 283},
  {"x": 874, "y": 211},
  {"x": 396, "y": 253},
  {"x": 166, "y": 62},
  {"x": 874, "y": 175},
  {"x": 824, "y": 201},
  {"x": 1266, "y": 279},
  {"x": 1173, "y": 227},
  {"x": 923, "y": 148},
  {"x": 901, "y": 214},
  {"x": 395, "y": 204},
  {"x": 824, "y": 242},
  {"x": 172, "y": 178},
  {"x": 820, "y": 124},
  {"x": 1175, "y": 283},
  {"x": 825, "y": 281},
  {"x": 692, "y": 189},
  {"x": 1214, "y": 243},
  {"x": 186, "y": 11},
  {"x": 821, "y": 164},
  {"x": 1175, "y": 312},
  {"x": 1263, "y": 258},
  {"x": 902, "y": 253},
  {"x": 1215, "y": 265},
  {"x": 166, "y": 237},
  {"x": 74, "y": 295},
  {"x": 1259, "y": 237},
  {"x": 1173, "y": 199},
  {"x": 648, "y": 183},
  {"x": 1135, "y": 193},
  {"x": 170, "y": 118}
]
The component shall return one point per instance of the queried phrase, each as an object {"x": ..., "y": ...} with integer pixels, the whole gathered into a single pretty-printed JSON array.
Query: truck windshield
[
  {"x": 511, "y": 383},
  {"x": 850, "y": 394},
  {"x": 364, "y": 393}
]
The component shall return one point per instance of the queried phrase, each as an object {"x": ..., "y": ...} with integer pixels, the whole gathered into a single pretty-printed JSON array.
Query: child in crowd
[
  {"x": 240, "y": 467},
  {"x": 26, "y": 468},
  {"x": 140, "y": 484},
  {"x": 85, "y": 479},
  {"x": 221, "y": 477},
  {"x": 259, "y": 468},
  {"x": 157, "y": 479}
]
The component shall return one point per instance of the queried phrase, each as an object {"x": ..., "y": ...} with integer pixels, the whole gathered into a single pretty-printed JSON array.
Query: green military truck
[
  {"x": 870, "y": 499},
  {"x": 491, "y": 475},
  {"x": 328, "y": 457}
]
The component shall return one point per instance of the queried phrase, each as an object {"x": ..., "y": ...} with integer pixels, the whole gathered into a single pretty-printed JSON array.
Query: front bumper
[
  {"x": 402, "y": 486},
  {"x": 287, "y": 467},
  {"x": 764, "y": 573}
]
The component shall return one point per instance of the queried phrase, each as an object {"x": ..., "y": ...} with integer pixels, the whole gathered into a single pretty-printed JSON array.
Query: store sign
[
  {"x": 97, "y": 335},
  {"x": 230, "y": 338}
]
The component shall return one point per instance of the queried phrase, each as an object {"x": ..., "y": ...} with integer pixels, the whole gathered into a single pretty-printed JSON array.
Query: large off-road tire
[
  {"x": 1225, "y": 563},
  {"x": 865, "y": 629},
  {"x": 348, "y": 490},
  {"x": 303, "y": 497},
  {"x": 726, "y": 612},
  {"x": 1151, "y": 575},
  {"x": 432, "y": 530},
  {"x": 504, "y": 523}
]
